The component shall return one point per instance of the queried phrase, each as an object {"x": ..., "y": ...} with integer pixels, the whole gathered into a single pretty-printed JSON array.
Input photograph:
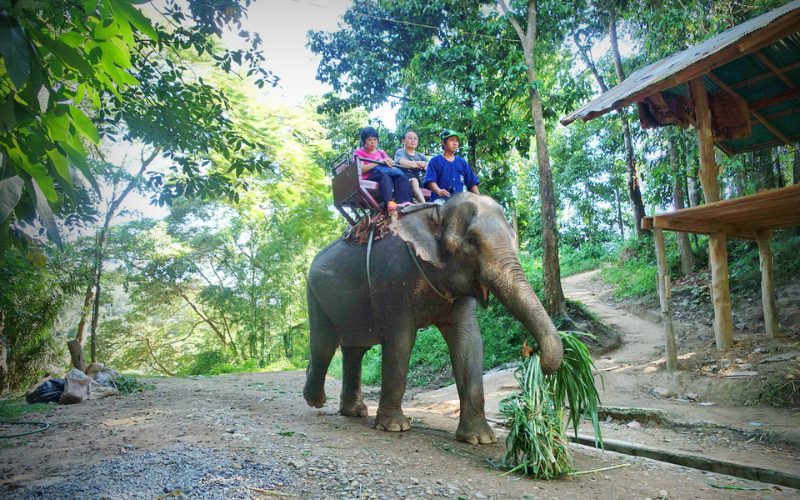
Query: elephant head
[{"x": 470, "y": 237}]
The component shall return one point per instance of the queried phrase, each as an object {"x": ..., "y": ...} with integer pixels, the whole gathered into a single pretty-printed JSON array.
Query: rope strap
[{"x": 419, "y": 268}]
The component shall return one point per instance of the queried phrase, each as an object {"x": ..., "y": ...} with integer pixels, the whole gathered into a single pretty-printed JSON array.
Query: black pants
[{"x": 392, "y": 184}]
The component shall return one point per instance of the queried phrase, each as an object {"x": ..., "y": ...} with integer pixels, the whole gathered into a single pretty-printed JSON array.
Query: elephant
[{"x": 436, "y": 264}]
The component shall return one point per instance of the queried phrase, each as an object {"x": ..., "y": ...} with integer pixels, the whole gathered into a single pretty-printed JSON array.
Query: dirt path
[{"x": 252, "y": 436}]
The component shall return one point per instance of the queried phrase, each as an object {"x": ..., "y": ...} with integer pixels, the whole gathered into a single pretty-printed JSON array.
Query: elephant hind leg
[
  {"x": 324, "y": 341},
  {"x": 351, "y": 403}
]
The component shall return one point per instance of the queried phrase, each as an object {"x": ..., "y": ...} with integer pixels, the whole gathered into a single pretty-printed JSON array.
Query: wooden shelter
[{"x": 741, "y": 91}]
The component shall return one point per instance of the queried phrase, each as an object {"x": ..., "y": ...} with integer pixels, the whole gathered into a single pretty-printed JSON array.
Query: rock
[
  {"x": 633, "y": 424},
  {"x": 759, "y": 350},
  {"x": 691, "y": 396},
  {"x": 662, "y": 494},
  {"x": 741, "y": 374},
  {"x": 784, "y": 356},
  {"x": 478, "y": 494},
  {"x": 745, "y": 366},
  {"x": 297, "y": 464},
  {"x": 661, "y": 392}
]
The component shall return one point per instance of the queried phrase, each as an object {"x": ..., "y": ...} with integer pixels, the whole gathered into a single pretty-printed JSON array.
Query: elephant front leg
[
  {"x": 464, "y": 342},
  {"x": 396, "y": 354},
  {"x": 351, "y": 403}
]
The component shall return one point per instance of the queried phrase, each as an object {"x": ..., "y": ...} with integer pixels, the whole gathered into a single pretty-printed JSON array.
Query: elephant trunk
[{"x": 508, "y": 282}]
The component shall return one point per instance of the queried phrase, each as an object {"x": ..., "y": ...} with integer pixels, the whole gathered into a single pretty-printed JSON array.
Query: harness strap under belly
[{"x": 425, "y": 276}]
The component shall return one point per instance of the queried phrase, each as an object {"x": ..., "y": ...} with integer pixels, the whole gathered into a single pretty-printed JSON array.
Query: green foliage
[
  {"x": 744, "y": 264},
  {"x": 574, "y": 383},
  {"x": 584, "y": 258},
  {"x": 13, "y": 409},
  {"x": 36, "y": 288},
  {"x": 537, "y": 443},
  {"x": 635, "y": 271},
  {"x": 128, "y": 384},
  {"x": 77, "y": 74},
  {"x": 454, "y": 65}
]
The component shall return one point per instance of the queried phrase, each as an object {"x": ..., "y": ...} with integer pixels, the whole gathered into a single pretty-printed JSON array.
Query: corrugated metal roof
[{"x": 759, "y": 61}]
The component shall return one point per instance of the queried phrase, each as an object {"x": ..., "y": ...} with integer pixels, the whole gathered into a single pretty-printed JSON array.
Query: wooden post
[
  {"x": 717, "y": 253},
  {"x": 768, "y": 300},
  {"x": 705, "y": 142},
  {"x": 665, "y": 294},
  {"x": 720, "y": 293}
]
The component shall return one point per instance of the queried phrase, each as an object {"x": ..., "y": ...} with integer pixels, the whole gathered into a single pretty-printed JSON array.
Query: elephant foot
[
  {"x": 475, "y": 431},
  {"x": 314, "y": 396},
  {"x": 392, "y": 423},
  {"x": 357, "y": 409}
]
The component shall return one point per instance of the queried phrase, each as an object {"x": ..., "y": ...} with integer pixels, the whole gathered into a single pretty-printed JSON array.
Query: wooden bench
[{"x": 354, "y": 197}]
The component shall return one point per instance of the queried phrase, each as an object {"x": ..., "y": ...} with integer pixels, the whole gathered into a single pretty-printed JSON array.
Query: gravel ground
[{"x": 190, "y": 471}]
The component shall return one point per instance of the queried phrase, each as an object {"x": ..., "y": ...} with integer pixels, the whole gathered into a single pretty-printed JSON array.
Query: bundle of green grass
[{"x": 537, "y": 444}]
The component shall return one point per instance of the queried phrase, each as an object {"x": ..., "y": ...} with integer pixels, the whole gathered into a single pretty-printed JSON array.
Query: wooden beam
[
  {"x": 775, "y": 99},
  {"x": 761, "y": 56},
  {"x": 720, "y": 291},
  {"x": 705, "y": 142},
  {"x": 687, "y": 225},
  {"x": 664, "y": 295},
  {"x": 761, "y": 145},
  {"x": 758, "y": 116},
  {"x": 768, "y": 300},
  {"x": 764, "y": 76},
  {"x": 781, "y": 114}
]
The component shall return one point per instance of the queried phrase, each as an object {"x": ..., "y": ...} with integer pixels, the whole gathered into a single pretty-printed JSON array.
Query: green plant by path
[
  {"x": 127, "y": 384},
  {"x": 13, "y": 409}
]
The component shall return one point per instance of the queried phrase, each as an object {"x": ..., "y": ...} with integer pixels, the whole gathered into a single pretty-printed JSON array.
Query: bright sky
[{"x": 283, "y": 25}]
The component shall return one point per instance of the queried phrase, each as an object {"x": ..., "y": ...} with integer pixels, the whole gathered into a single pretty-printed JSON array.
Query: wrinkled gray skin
[{"x": 467, "y": 249}]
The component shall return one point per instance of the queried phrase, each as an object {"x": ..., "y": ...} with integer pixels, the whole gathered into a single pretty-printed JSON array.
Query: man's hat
[{"x": 449, "y": 133}]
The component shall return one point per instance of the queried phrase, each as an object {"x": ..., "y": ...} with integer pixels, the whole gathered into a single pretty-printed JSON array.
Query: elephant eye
[{"x": 472, "y": 240}]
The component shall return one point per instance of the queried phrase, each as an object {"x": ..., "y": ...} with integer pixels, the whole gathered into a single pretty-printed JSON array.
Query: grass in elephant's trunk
[{"x": 537, "y": 443}]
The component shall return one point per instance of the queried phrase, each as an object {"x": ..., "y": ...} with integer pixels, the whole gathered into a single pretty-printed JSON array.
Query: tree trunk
[
  {"x": 102, "y": 239},
  {"x": 555, "y": 304},
  {"x": 634, "y": 190},
  {"x": 779, "y": 177},
  {"x": 796, "y": 166},
  {"x": 764, "y": 163},
  {"x": 620, "y": 223},
  {"x": 3, "y": 355},
  {"x": 75, "y": 345},
  {"x": 740, "y": 177},
  {"x": 685, "y": 247},
  {"x": 694, "y": 191}
]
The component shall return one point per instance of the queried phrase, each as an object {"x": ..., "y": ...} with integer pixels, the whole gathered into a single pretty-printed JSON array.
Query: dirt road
[
  {"x": 239, "y": 436},
  {"x": 252, "y": 436}
]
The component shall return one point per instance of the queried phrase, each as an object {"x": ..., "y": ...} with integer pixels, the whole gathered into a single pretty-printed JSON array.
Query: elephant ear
[{"x": 421, "y": 229}]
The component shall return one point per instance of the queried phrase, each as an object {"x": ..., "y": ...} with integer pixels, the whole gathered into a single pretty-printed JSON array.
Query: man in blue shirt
[{"x": 447, "y": 173}]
